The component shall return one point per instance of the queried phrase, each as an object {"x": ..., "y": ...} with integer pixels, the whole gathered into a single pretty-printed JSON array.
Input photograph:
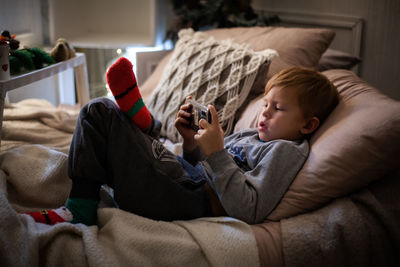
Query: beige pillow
[
  {"x": 295, "y": 46},
  {"x": 249, "y": 117},
  {"x": 357, "y": 144},
  {"x": 335, "y": 59},
  {"x": 221, "y": 73}
]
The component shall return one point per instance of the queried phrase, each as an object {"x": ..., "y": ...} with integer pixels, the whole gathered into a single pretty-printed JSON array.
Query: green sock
[{"x": 83, "y": 210}]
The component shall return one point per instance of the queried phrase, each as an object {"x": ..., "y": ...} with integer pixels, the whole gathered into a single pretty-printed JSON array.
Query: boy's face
[{"x": 281, "y": 117}]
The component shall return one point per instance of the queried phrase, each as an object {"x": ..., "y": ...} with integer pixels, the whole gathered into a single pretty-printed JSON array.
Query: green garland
[
  {"x": 206, "y": 14},
  {"x": 28, "y": 59}
]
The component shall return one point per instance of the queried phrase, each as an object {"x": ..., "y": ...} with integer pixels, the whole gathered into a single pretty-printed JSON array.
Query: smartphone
[{"x": 198, "y": 112}]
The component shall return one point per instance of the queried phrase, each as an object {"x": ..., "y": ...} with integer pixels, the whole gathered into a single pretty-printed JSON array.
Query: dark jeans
[{"x": 148, "y": 180}]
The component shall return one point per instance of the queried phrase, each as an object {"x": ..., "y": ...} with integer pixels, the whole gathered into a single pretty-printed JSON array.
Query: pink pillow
[
  {"x": 334, "y": 59},
  {"x": 358, "y": 144},
  {"x": 249, "y": 116},
  {"x": 296, "y": 46}
]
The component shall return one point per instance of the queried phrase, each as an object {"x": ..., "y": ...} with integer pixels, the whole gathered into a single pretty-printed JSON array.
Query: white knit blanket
[
  {"x": 206, "y": 69},
  {"x": 37, "y": 121},
  {"x": 34, "y": 176}
]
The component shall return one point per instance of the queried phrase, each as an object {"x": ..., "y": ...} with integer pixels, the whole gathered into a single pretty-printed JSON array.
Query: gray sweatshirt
[{"x": 250, "y": 176}]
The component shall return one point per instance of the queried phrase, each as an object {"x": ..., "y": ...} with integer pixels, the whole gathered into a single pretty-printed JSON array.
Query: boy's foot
[
  {"x": 123, "y": 85},
  {"x": 52, "y": 216},
  {"x": 83, "y": 210}
]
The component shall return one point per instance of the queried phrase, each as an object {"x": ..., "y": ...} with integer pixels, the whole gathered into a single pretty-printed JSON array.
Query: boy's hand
[
  {"x": 211, "y": 136},
  {"x": 182, "y": 124}
]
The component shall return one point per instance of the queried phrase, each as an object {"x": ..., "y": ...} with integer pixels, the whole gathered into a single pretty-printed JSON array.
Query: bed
[{"x": 343, "y": 208}]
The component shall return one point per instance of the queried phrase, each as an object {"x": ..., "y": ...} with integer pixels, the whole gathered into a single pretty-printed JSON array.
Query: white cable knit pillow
[{"x": 221, "y": 73}]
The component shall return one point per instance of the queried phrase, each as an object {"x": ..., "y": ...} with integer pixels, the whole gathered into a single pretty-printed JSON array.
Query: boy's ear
[{"x": 310, "y": 126}]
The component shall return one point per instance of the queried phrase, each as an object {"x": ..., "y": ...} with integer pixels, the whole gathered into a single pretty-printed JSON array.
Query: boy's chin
[{"x": 263, "y": 137}]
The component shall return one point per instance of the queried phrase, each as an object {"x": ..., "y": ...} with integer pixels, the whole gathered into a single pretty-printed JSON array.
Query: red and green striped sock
[{"x": 123, "y": 85}]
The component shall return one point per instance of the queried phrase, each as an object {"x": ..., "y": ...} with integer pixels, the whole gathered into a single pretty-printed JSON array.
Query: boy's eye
[{"x": 275, "y": 107}]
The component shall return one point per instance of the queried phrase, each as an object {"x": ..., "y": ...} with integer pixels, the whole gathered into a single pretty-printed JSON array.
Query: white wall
[
  {"x": 24, "y": 18},
  {"x": 380, "y": 51},
  {"x": 100, "y": 28},
  {"x": 102, "y": 24}
]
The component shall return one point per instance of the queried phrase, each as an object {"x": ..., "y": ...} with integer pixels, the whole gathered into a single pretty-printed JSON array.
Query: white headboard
[{"x": 348, "y": 29}]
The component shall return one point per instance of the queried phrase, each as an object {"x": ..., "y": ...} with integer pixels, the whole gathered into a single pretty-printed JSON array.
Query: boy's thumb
[{"x": 214, "y": 115}]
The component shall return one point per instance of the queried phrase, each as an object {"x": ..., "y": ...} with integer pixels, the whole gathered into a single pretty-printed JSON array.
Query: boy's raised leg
[{"x": 123, "y": 85}]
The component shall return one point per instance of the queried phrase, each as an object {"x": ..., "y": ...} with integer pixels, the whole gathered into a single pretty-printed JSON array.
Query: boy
[{"x": 243, "y": 176}]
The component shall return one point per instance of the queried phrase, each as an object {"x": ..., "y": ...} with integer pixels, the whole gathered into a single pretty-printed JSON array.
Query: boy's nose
[{"x": 266, "y": 113}]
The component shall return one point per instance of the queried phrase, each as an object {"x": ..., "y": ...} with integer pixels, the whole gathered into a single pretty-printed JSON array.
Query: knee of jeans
[
  {"x": 103, "y": 101},
  {"x": 100, "y": 104}
]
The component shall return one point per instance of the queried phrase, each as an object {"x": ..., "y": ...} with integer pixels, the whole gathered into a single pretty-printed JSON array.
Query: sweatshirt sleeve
[
  {"x": 250, "y": 196},
  {"x": 193, "y": 156}
]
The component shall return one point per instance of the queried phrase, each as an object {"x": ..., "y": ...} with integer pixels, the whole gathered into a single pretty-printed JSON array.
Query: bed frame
[
  {"x": 348, "y": 36},
  {"x": 348, "y": 29}
]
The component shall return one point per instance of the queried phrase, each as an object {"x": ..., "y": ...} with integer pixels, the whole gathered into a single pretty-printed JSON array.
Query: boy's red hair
[{"x": 316, "y": 94}]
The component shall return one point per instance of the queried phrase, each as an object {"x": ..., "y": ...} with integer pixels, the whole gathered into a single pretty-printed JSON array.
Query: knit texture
[{"x": 211, "y": 72}]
